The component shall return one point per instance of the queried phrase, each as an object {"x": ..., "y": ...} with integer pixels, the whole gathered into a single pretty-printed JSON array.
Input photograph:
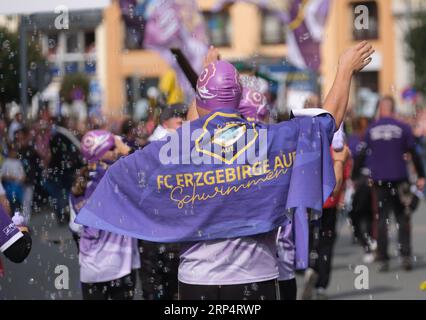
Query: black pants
[
  {"x": 159, "y": 269},
  {"x": 121, "y": 289},
  {"x": 288, "y": 289},
  {"x": 321, "y": 239},
  {"x": 361, "y": 214},
  {"x": 388, "y": 201},
  {"x": 266, "y": 290}
]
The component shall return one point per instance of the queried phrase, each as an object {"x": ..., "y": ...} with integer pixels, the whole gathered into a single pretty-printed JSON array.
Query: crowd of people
[{"x": 53, "y": 163}]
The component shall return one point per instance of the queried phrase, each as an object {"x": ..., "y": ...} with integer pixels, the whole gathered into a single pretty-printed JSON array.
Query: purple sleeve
[
  {"x": 409, "y": 138},
  {"x": 9, "y": 233}
]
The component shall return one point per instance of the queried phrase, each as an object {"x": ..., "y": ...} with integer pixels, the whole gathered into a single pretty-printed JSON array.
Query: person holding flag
[{"x": 197, "y": 185}]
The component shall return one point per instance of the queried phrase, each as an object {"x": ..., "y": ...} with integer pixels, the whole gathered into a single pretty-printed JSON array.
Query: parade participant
[
  {"x": 361, "y": 207},
  {"x": 323, "y": 234},
  {"x": 387, "y": 141},
  {"x": 253, "y": 106},
  {"x": 195, "y": 194},
  {"x": 107, "y": 260},
  {"x": 160, "y": 261},
  {"x": 171, "y": 118},
  {"x": 15, "y": 240}
]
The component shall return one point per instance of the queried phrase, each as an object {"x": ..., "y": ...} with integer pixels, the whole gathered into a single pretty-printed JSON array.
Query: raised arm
[{"x": 352, "y": 60}]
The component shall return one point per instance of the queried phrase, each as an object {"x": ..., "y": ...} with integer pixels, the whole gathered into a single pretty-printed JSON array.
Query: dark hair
[
  {"x": 80, "y": 182},
  {"x": 177, "y": 110},
  {"x": 127, "y": 126}
]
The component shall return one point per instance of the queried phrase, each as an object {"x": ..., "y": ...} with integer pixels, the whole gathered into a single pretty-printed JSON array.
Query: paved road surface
[{"x": 53, "y": 246}]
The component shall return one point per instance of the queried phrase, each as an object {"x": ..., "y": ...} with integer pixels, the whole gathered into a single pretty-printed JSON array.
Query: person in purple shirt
[
  {"x": 387, "y": 141},
  {"x": 246, "y": 268},
  {"x": 107, "y": 260}
]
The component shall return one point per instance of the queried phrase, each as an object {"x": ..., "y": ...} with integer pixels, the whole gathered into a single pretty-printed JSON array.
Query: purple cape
[{"x": 142, "y": 197}]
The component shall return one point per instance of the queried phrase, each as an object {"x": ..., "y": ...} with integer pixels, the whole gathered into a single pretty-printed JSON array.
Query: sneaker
[
  {"x": 368, "y": 258},
  {"x": 383, "y": 266},
  {"x": 407, "y": 264},
  {"x": 320, "y": 294},
  {"x": 310, "y": 281}
]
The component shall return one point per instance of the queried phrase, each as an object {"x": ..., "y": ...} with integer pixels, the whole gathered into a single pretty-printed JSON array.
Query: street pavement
[{"x": 54, "y": 250}]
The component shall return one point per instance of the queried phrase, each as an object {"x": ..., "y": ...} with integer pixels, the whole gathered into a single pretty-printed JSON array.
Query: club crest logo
[{"x": 226, "y": 142}]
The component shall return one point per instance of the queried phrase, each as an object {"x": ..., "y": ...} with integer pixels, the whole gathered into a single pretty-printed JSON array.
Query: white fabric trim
[
  {"x": 310, "y": 112},
  {"x": 2, "y": 192},
  {"x": 159, "y": 133},
  {"x": 215, "y": 282},
  {"x": 11, "y": 241}
]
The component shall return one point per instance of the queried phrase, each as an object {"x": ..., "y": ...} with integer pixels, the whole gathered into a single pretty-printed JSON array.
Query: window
[
  {"x": 367, "y": 88},
  {"x": 368, "y": 31},
  {"x": 133, "y": 37},
  {"x": 136, "y": 90},
  {"x": 52, "y": 44},
  {"x": 219, "y": 28},
  {"x": 90, "y": 67},
  {"x": 89, "y": 42},
  {"x": 72, "y": 43},
  {"x": 368, "y": 79},
  {"x": 71, "y": 67},
  {"x": 273, "y": 30},
  {"x": 133, "y": 21}
]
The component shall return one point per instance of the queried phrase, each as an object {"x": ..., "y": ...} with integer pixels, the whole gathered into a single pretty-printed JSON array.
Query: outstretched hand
[
  {"x": 357, "y": 57},
  {"x": 212, "y": 56}
]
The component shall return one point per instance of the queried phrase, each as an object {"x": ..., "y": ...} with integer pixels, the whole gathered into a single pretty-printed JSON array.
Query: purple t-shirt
[
  {"x": 104, "y": 256},
  {"x": 388, "y": 140},
  {"x": 9, "y": 233}
]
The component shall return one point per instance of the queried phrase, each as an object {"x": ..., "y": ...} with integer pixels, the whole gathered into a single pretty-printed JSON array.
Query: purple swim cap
[
  {"x": 218, "y": 87},
  {"x": 253, "y": 105},
  {"x": 96, "y": 143}
]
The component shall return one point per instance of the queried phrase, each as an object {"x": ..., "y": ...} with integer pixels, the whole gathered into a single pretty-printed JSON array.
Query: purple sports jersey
[
  {"x": 104, "y": 256},
  {"x": 388, "y": 140},
  {"x": 9, "y": 233}
]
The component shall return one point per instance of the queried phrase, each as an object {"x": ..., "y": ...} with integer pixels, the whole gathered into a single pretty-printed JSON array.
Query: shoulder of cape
[{"x": 311, "y": 112}]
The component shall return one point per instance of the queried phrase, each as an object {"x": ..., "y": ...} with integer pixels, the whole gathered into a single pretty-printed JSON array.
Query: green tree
[
  {"x": 71, "y": 83},
  {"x": 415, "y": 40},
  {"x": 10, "y": 66}
]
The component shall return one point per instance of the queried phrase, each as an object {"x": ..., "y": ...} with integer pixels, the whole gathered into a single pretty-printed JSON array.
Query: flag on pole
[{"x": 166, "y": 24}]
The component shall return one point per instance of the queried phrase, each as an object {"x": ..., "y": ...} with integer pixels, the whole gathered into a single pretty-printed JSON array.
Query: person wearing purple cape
[
  {"x": 181, "y": 189},
  {"x": 253, "y": 106},
  {"x": 201, "y": 276},
  {"x": 107, "y": 260}
]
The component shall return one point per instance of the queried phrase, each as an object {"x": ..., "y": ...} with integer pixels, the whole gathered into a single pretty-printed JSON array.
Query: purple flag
[
  {"x": 170, "y": 24},
  {"x": 9, "y": 233},
  {"x": 211, "y": 188},
  {"x": 305, "y": 20},
  {"x": 305, "y": 30}
]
